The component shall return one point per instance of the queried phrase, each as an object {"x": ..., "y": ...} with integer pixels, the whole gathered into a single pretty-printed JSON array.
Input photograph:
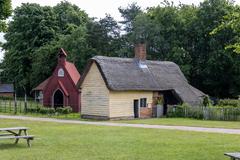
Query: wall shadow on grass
[{"x": 11, "y": 145}]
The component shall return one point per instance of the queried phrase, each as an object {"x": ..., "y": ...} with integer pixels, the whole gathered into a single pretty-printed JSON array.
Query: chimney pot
[{"x": 140, "y": 51}]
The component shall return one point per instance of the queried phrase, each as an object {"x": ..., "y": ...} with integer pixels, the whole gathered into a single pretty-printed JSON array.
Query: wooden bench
[
  {"x": 16, "y": 133},
  {"x": 28, "y": 138},
  {"x": 233, "y": 156}
]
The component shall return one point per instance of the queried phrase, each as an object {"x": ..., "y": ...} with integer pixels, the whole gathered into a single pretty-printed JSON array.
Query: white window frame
[{"x": 60, "y": 72}]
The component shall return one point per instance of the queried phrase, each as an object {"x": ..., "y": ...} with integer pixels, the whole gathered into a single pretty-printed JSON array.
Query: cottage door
[{"x": 136, "y": 108}]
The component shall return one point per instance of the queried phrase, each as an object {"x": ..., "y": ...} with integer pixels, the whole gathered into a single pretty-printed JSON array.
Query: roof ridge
[{"x": 100, "y": 57}]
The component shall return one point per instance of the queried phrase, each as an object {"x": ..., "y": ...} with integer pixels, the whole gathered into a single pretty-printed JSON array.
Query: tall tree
[
  {"x": 232, "y": 22},
  {"x": 5, "y": 12},
  {"x": 129, "y": 15},
  {"x": 69, "y": 17},
  {"x": 70, "y": 23},
  {"x": 212, "y": 69},
  {"x": 162, "y": 28},
  {"x": 181, "y": 34},
  {"x": 103, "y": 36},
  {"x": 34, "y": 27}
]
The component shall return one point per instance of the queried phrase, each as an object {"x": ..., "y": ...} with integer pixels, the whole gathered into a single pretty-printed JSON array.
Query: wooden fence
[
  {"x": 206, "y": 113},
  {"x": 18, "y": 106}
]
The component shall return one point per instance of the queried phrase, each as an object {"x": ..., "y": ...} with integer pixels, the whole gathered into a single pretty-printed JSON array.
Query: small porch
[{"x": 161, "y": 101}]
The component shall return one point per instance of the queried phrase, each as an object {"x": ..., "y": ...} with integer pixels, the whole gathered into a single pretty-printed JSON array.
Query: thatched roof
[{"x": 124, "y": 74}]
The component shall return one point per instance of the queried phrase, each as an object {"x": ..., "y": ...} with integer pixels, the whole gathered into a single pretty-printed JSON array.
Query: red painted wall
[{"x": 73, "y": 99}]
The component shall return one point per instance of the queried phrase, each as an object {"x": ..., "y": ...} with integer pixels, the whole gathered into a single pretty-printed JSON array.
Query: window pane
[{"x": 143, "y": 102}]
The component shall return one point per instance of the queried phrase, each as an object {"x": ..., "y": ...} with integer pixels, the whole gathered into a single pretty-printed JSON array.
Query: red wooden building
[{"x": 60, "y": 88}]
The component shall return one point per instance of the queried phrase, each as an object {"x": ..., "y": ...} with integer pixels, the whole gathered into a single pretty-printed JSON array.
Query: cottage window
[
  {"x": 60, "y": 72},
  {"x": 143, "y": 102}
]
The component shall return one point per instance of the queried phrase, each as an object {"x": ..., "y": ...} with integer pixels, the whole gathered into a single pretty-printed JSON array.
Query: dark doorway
[
  {"x": 136, "y": 108},
  {"x": 170, "y": 98},
  {"x": 165, "y": 105},
  {"x": 58, "y": 99}
]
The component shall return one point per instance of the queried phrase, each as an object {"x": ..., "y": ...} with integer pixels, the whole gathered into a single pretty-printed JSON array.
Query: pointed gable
[
  {"x": 72, "y": 71},
  {"x": 70, "y": 68}
]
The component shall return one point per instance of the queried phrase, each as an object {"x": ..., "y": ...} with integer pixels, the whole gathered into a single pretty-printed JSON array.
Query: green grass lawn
[
  {"x": 86, "y": 142},
  {"x": 185, "y": 122}
]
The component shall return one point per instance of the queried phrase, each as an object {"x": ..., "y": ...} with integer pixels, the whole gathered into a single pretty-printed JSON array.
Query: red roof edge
[
  {"x": 42, "y": 85},
  {"x": 63, "y": 88}
]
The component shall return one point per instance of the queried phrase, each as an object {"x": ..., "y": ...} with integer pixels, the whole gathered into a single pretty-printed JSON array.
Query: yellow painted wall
[
  {"x": 121, "y": 102},
  {"x": 95, "y": 94}
]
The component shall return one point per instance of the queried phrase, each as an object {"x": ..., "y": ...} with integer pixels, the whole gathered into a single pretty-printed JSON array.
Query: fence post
[
  {"x": 9, "y": 104},
  {"x": 5, "y": 104},
  {"x": 185, "y": 112},
  {"x": 25, "y": 103},
  {"x": 15, "y": 103}
]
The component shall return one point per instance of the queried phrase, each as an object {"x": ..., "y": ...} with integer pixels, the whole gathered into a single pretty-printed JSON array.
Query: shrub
[
  {"x": 32, "y": 110},
  {"x": 45, "y": 110},
  {"x": 206, "y": 101},
  {"x": 59, "y": 110},
  {"x": 229, "y": 102},
  {"x": 64, "y": 110},
  {"x": 178, "y": 111},
  {"x": 67, "y": 110},
  {"x": 209, "y": 113}
]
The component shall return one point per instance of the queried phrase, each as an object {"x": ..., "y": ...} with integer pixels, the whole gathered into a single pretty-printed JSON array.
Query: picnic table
[
  {"x": 233, "y": 156},
  {"x": 16, "y": 133}
]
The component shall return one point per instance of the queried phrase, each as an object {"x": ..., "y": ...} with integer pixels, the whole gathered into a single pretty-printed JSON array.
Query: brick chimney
[
  {"x": 140, "y": 51},
  {"x": 62, "y": 56}
]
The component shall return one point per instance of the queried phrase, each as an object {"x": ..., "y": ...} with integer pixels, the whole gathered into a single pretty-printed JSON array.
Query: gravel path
[{"x": 182, "y": 128}]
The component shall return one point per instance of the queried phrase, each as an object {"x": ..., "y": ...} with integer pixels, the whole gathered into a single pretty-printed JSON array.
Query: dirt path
[{"x": 182, "y": 128}]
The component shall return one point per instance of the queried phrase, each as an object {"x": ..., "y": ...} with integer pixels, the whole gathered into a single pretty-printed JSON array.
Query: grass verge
[
  {"x": 185, "y": 122},
  {"x": 72, "y": 141}
]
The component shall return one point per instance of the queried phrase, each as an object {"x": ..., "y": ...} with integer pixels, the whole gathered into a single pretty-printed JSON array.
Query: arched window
[{"x": 60, "y": 72}]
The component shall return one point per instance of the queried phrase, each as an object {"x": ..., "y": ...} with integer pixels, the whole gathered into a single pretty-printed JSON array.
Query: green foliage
[
  {"x": 28, "y": 20},
  {"x": 226, "y": 110},
  {"x": 5, "y": 12},
  {"x": 49, "y": 110},
  {"x": 197, "y": 38},
  {"x": 129, "y": 15},
  {"x": 33, "y": 41},
  {"x": 64, "y": 110},
  {"x": 75, "y": 44},
  {"x": 32, "y": 110},
  {"x": 44, "y": 61},
  {"x": 178, "y": 111},
  {"x": 206, "y": 101},
  {"x": 71, "y": 141},
  {"x": 46, "y": 110},
  {"x": 229, "y": 102},
  {"x": 230, "y": 22},
  {"x": 69, "y": 17},
  {"x": 182, "y": 34}
]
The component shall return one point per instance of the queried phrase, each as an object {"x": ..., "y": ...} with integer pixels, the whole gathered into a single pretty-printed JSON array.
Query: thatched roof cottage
[{"x": 129, "y": 87}]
